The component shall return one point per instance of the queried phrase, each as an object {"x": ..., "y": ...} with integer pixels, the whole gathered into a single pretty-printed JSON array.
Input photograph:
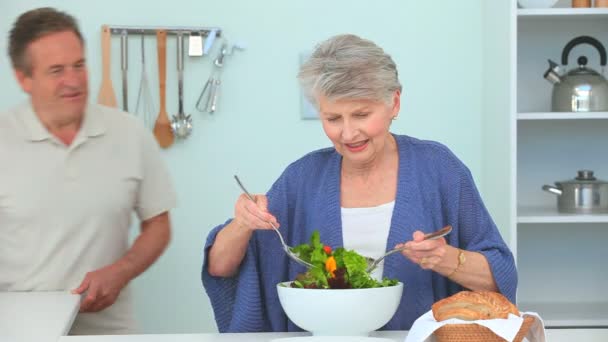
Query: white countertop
[
  {"x": 47, "y": 316},
  {"x": 36, "y": 316},
  {"x": 389, "y": 336},
  {"x": 553, "y": 335}
]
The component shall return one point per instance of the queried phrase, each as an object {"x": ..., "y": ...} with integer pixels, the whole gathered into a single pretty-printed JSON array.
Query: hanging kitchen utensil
[
  {"x": 181, "y": 124},
  {"x": 208, "y": 99},
  {"x": 162, "y": 127},
  {"x": 106, "y": 95},
  {"x": 195, "y": 44},
  {"x": 144, "y": 106},
  {"x": 124, "y": 60},
  {"x": 215, "y": 92},
  {"x": 209, "y": 41},
  {"x": 206, "y": 96},
  {"x": 209, "y": 93},
  {"x": 584, "y": 194},
  {"x": 582, "y": 89}
]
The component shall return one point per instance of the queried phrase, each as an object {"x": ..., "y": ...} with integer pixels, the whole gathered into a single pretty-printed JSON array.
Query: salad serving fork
[
  {"x": 373, "y": 263},
  {"x": 294, "y": 256}
]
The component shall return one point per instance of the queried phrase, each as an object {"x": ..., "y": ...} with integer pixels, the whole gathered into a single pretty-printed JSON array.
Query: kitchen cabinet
[{"x": 560, "y": 257}]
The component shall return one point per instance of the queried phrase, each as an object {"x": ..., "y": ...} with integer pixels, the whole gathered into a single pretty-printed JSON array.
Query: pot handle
[
  {"x": 552, "y": 189},
  {"x": 584, "y": 40}
]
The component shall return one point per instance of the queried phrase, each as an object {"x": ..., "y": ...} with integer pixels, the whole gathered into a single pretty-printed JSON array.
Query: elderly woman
[{"x": 373, "y": 190}]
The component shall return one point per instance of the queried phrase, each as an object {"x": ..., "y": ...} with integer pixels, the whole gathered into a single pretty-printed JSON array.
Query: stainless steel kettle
[
  {"x": 583, "y": 195},
  {"x": 582, "y": 89}
]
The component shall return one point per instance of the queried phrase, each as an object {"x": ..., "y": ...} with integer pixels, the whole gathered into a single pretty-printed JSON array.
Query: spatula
[
  {"x": 106, "y": 92},
  {"x": 162, "y": 127}
]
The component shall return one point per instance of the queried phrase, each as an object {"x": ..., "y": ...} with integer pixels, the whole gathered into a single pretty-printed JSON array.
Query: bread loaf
[{"x": 470, "y": 306}]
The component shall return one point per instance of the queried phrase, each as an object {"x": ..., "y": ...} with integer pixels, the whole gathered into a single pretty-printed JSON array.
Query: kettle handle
[{"x": 584, "y": 40}]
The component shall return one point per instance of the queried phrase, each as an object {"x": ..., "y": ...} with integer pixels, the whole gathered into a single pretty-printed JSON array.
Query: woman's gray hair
[{"x": 349, "y": 67}]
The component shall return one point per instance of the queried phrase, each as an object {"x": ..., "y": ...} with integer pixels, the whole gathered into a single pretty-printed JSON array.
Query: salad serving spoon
[
  {"x": 294, "y": 256},
  {"x": 373, "y": 263}
]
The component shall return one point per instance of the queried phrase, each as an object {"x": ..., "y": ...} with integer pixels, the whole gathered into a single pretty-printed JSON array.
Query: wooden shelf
[
  {"x": 550, "y": 215},
  {"x": 562, "y": 115},
  {"x": 569, "y": 314},
  {"x": 524, "y": 13}
]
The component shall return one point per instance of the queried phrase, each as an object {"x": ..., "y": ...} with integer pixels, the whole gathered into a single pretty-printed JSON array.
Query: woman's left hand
[{"x": 426, "y": 253}]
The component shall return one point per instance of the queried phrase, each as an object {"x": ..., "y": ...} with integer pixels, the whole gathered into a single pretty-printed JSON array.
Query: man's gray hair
[{"x": 349, "y": 67}]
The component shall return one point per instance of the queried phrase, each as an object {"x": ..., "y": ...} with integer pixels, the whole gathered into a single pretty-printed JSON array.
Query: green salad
[{"x": 334, "y": 268}]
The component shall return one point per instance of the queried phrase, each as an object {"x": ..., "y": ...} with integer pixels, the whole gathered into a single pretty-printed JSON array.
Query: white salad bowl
[{"x": 340, "y": 312}]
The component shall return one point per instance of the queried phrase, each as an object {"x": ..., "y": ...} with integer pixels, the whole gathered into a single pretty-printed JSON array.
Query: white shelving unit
[
  {"x": 562, "y": 116},
  {"x": 570, "y": 314},
  {"x": 551, "y": 215},
  {"x": 526, "y": 13},
  {"x": 560, "y": 257}
]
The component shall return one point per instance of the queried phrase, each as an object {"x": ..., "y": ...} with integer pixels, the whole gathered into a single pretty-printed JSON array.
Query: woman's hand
[
  {"x": 228, "y": 251},
  {"x": 426, "y": 253},
  {"x": 437, "y": 255},
  {"x": 253, "y": 215}
]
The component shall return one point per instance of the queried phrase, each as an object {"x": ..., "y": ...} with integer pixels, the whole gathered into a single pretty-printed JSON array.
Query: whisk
[{"x": 145, "y": 105}]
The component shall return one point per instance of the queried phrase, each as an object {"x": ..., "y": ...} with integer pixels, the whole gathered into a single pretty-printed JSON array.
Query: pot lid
[{"x": 584, "y": 177}]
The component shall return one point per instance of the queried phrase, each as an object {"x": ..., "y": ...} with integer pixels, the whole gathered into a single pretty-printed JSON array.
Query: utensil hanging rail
[{"x": 204, "y": 31}]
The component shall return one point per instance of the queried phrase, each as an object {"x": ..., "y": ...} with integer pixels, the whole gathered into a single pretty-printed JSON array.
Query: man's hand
[{"x": 102, "y": 287}]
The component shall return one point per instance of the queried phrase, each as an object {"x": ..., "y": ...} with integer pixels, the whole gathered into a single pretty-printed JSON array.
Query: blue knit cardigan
[{"x": 434, "y": 189}]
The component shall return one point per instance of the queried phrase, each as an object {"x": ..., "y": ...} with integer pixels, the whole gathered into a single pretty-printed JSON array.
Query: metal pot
[{"x": 583, "y": 195}]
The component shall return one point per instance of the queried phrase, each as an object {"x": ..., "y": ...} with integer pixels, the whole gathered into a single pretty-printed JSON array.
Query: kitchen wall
[
  {"x": 257, "y": 131},
  {"x": 498, "y": 19}
]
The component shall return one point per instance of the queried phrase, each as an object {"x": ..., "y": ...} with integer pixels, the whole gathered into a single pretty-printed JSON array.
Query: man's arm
[
  {"x": 104, "y": 285},
  {"x": 149, "y": 245}
]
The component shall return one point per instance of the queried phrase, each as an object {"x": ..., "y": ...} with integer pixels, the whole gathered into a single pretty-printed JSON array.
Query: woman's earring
[{"x": 395, "y": 117}]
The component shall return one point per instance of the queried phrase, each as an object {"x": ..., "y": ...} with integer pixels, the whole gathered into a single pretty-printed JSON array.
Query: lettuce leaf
[{"x": 351, "y": 268}]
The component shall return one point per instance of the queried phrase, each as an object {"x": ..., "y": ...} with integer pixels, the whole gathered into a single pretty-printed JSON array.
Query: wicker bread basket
[{"x": 477, "y": 333}]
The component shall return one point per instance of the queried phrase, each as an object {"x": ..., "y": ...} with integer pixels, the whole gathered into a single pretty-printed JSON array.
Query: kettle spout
[{"x": 552, "y": 74}]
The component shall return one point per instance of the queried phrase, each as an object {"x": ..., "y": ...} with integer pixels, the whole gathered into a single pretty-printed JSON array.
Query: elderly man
[{"x": 71, "y": 175}]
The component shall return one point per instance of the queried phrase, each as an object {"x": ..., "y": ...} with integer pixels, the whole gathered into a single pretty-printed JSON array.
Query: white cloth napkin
[{"x": 423, "y": 328}]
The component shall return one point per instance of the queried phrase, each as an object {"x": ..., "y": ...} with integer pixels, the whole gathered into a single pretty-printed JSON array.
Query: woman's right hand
[
  {"x": 228, "y": 250},
  {"x": 253, "y": 215}
]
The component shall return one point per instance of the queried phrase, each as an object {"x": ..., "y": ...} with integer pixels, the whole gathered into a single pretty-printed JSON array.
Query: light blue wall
[
  {"x": 496, "y": 121},
  {"x": 257, "y": 131}
]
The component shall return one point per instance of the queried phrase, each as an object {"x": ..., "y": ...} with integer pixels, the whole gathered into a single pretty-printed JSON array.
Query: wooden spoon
[
  {"x": 106, "y": 92},
  {"x": 162, "y": 127}
]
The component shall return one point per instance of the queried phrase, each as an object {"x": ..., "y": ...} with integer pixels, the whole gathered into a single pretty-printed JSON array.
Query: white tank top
[{"x": 365, "y": 230}]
